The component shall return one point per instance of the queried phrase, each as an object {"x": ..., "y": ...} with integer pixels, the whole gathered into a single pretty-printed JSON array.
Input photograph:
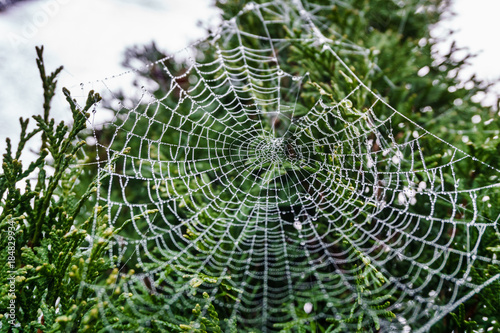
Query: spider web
[{"x": 295, "y": 204}]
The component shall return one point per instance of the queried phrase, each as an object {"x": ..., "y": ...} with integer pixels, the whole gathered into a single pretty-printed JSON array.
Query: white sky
[
  {"x": 477, "y": 27},
  {"x": 88, "y": 37}
]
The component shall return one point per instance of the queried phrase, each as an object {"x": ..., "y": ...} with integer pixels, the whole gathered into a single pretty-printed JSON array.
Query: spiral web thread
[{"x": 318, "y": 213}]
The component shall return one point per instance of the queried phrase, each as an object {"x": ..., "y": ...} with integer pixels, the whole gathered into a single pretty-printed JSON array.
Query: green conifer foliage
[{"x": 46, "y": 255}]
